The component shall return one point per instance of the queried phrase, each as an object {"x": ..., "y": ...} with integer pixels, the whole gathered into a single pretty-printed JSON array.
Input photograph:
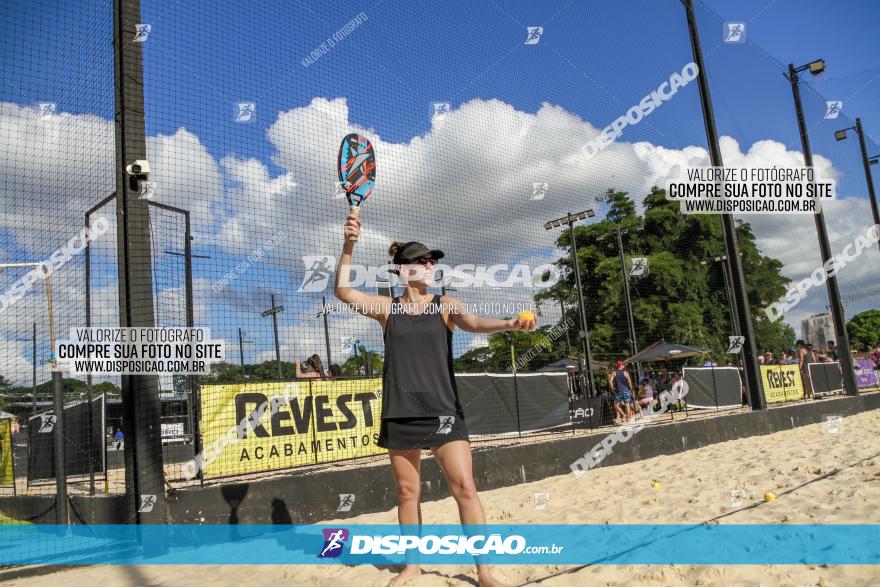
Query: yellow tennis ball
[
  {"x": 769, "y": 496},
  {"x": 527, "y": 315},
  {"x": 656, "y": 485}
]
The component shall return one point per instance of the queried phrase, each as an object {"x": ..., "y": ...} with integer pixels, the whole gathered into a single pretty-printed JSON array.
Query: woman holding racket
[{"x": 420, "y": 404}]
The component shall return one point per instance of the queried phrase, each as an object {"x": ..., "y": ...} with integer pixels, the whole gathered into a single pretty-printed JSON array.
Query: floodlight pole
[
  {"x": 866, "y": 162},
  {"x": 837, "y": 315},
  {"x": 585, "y": 338},
  {"x": 750, "y": 360},
  {"x": 562, "y": 321},
  {"x": 629, "y": 312}
]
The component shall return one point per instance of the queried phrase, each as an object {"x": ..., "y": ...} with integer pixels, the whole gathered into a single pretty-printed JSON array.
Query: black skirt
[{"x": 409, "y": 433}]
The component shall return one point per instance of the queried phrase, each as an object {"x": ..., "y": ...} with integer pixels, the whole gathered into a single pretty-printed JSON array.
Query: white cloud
[{"x": 464, "y": 186}]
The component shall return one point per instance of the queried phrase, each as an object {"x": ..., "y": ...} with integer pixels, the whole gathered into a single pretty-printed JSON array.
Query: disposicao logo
[{"x": 334, "y": 541}]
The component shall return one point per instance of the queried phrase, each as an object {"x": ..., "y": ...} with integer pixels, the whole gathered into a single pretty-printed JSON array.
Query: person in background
[
  {"x": 808, "y": 356},
  {"x": 832, "y": 353},
  {"x": 120, "y": 438},
  {"x": 812, "y": 355},
  {"x": 875, "y": 362},
  {"x": 802, "y": 366},
  {"x": 663, "y": 382},
  {"x": 314, "y": 369},
  {"x": 675, "y": 378},
  {"x": 646, "y": 394},
  {"x": 335, "y": 371},
  {"x": 622, "y": 388},
  {"x": 760, "y": 359}
]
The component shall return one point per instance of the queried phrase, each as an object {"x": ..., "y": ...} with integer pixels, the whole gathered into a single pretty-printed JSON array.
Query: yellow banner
[
  {"x": 302, "y": 423},
  {"x": 781, "y": 383},
  {"x": 7, "y": 476}
]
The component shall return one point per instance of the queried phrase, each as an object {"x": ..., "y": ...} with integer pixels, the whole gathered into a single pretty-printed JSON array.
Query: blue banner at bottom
[{"x": 730, "y": 544}]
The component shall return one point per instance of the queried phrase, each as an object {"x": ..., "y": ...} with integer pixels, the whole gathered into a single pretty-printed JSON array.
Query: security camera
[{"x": 139, "y": 167}]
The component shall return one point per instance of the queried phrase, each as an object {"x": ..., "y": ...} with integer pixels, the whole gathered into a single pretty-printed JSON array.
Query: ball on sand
[
  {"x": 656, "y": 485},
  {"x": 769, "y": 496}
]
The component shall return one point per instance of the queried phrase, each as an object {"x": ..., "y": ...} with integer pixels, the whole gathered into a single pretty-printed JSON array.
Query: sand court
[{"x": 820, "y": 475}]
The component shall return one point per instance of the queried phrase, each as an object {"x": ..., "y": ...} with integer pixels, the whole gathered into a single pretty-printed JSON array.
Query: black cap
[{"x": 413, "y": 250}]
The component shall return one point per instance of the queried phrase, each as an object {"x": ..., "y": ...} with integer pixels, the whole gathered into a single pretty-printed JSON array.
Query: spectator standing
[
  {"x": 622, "y": 388},
  {"x": 803, "y": 360}
]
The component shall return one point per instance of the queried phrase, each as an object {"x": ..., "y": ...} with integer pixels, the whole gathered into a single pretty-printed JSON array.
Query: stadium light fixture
[
  {"x": 817, "y": 67},
  {"x": 840, "y": 135}
]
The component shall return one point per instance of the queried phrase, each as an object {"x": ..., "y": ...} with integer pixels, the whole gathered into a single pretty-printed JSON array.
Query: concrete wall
[{"x": 301, "y": 498}]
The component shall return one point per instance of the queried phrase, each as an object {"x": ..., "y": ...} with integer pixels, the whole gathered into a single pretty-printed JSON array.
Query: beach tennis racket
[{"x": 357, "y": 171}]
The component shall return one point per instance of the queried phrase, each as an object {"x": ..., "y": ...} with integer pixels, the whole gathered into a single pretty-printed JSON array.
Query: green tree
[
  {"x": 682, "y": 297},
  {"x": 864, "y": 330},
  {"x": 4, "y": 386},
  {"x": 355, "y": 365}
]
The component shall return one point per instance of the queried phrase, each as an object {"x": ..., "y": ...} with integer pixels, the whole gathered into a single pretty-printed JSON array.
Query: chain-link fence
[{"x": 488, "y": 135}]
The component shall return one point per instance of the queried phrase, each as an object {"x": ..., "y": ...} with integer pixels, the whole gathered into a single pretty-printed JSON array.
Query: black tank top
[{"x": 418, "y": 379}]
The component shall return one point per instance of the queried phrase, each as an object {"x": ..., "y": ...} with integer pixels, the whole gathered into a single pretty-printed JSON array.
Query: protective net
[{"x": 487, "y": 123}]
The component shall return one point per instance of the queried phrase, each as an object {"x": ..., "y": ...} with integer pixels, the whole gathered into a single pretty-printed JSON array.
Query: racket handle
[{"x": 356, "y": 212}]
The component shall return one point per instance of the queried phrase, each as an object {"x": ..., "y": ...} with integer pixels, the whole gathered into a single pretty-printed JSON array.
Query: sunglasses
[{"x": 424, "y": 261}]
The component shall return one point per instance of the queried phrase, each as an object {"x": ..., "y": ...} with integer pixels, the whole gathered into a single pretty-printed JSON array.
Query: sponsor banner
[
  {"x": 254, "y": 427},
  {"x": 353, "y": 544},
  {"x": 865, "y": 376},
  {"x": 7, "y": 475},
  {"x": 781, "y": 383}
]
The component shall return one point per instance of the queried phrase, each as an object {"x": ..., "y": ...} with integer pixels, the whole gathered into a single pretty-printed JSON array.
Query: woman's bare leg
[
  {"x": 405, "y": 468},
  {"x": 454, "y": 459}
]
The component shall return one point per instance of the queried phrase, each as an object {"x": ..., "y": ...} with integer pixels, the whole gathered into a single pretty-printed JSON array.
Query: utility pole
[
  {"x": 273, "y": 311},
  {"x": 325, "y": 309}
]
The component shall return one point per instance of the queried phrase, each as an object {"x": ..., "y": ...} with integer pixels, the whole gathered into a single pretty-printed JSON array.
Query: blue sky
[{"x": 595, "y": 59}]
